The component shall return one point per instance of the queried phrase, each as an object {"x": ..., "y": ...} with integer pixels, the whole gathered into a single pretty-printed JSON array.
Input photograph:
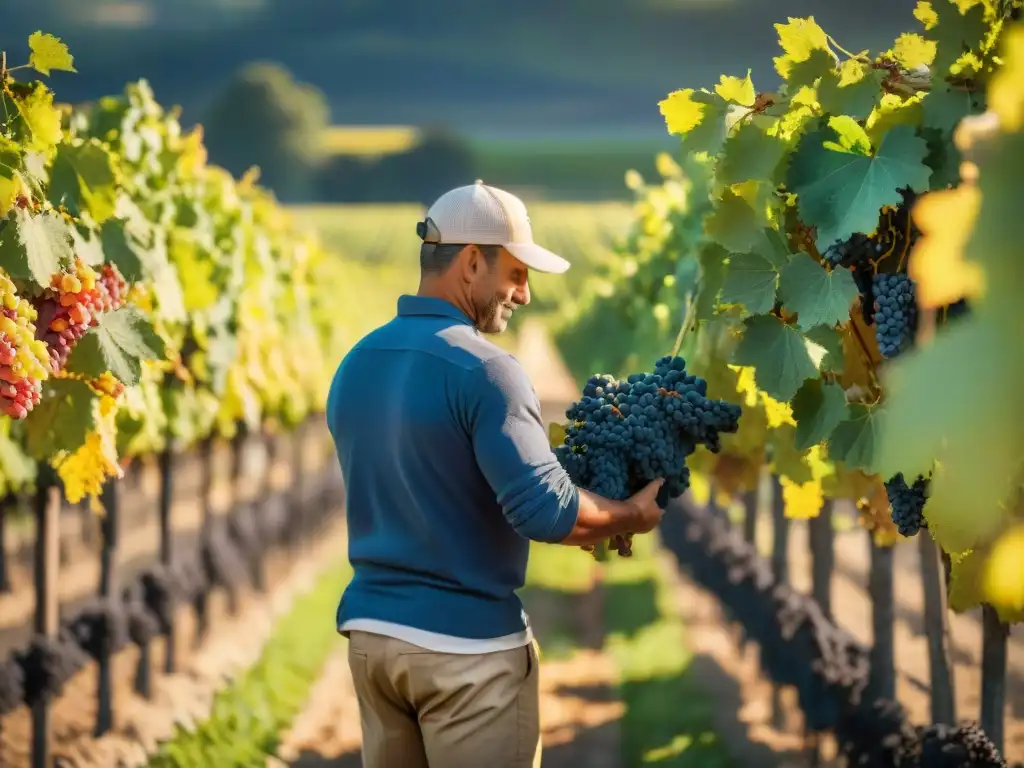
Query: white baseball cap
[{"x": 478, "y": 214}]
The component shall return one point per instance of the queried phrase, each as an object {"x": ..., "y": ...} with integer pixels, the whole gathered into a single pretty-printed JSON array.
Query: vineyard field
[{"x": 584, "y": 233}]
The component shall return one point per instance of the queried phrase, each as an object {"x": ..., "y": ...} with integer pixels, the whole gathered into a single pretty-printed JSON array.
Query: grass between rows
[
  {"x": 249, "y": 716},
  {"x": 668, "y": 718}
]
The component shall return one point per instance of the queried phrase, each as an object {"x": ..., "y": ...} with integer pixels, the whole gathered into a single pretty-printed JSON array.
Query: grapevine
[
  {"x": 145, "y": 296},
  {"x": 848, "y": 236}
]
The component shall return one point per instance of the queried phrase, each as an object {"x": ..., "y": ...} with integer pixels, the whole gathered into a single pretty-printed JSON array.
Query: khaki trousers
[{"x": 423, "y": 709}]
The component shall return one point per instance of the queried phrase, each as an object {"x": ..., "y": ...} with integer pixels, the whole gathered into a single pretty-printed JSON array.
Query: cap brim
[{"x": 538, "y": 258}]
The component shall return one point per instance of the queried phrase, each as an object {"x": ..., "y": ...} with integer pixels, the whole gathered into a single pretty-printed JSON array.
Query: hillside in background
[{"x": 555, "y": 67}]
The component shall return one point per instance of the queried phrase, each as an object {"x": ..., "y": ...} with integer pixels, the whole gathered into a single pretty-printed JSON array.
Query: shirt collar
[{"x": 428, "y": 305}]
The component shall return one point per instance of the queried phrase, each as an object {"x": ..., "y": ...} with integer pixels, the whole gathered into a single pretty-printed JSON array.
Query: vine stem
[
  {"x": 842, "y": 50},
  {"x": 691, "y": 307},
  {"x": 867, "y": 355}
]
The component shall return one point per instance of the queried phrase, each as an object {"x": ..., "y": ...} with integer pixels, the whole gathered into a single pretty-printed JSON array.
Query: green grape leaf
[
  {"x": 945, "y": 106},
  {"x": 83, "y": 178},
  {"x": 750, "y": 282},
  {"x": 19, "y": 469},
  {"x": 830, "y": 340},
  {"x": 818, "y": 408},
  {"x": 956, "y": 33},
  {"x": 855, "y": 440},
  {"x": 782, "y": 357},
  {"x": 87, "y": 244},
  {"x": 808, "y": 73},
  {"x": 924, "y": 422},
  {"x": 842, "y": 186},
  {"x": 712, "y": 266},
  {"x": 818, "y": 296},
  {"x": 733, "y": 224},
  {"x": 49, "y": 53},
  {"x": 943, "y": 158},
  {"x": 788, "y": 459},
  {"x": 122, "y": 249},
  {"x": 119, "y": 342},
  {"x": 33, "y": 247},
  {"x": 750, "y": 153},
  {"x": 61, "y": 420},
  {"x": 854, "y": 89}
]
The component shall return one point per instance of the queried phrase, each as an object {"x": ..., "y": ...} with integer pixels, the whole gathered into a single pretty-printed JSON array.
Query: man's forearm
[{"x": 600, "y": 518}]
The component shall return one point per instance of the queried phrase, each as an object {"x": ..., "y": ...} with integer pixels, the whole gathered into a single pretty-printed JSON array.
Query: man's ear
[{"x": 473, "y": 261}]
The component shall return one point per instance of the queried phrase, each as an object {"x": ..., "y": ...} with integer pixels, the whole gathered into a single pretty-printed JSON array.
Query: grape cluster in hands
[{"x": 624, "y": 434}]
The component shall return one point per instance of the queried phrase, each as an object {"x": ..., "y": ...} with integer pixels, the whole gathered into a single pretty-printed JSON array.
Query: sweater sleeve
[{"x": 512, "y": 450}]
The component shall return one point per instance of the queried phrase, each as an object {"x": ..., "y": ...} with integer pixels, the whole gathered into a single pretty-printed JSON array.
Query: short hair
[{"x": 436, "y": 258}]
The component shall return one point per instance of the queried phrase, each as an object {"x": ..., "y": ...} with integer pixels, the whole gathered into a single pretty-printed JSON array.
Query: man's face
[{"x": 497, "y": 290}]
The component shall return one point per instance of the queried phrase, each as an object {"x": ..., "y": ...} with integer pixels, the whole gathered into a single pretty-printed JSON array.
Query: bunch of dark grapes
[
  {"x": 624, "y": 434},
  {"x": 906, "y": 503},
  {"x": 859, "y": 249},
  {"x": 70, "y": 307},
  {"x": 895, "y": 314}
]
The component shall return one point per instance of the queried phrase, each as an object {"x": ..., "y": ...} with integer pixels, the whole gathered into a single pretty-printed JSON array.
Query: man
[{"x": 449, "y": 475}]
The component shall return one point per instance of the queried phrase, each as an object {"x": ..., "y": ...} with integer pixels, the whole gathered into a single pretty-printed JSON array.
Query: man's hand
[
  {"x": 601, "y": 519},
  {"x": 644, "y": 506}
]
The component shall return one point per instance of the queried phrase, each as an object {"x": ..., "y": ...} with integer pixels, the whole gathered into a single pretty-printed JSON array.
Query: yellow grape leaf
[
  {"x": 912, "y": 50},
  {"x": 1006, "y": 91},
  {"x": 736, "y": 89},
  {"x": 700, "y": 488},
  {"x": 803, "y": 501},
  {"x": 681, "y": 112},
  {"x": 788, "y": 461},
  {"x": 667, "y": 166},
  {"x": 875, "y": 515},
  {"x": 556, "y": 434},
  {"x": 85, "y": 470},
  {"x": 926, "y": 14},
  {"x": 49, "y": 53},
  {"x": 965, "y": 576},
  {"x": 42, "y": 119},
  {"x": 1003, "y": 577},
  {"x": 193, "y": 153},
  {"x": 10, "y": 188},
  {"x": 946, "y": 219},
  {"x": 892, "y": 110},
  {"x": 799, "y": 39},
  {"x": 843, "y": 483}
]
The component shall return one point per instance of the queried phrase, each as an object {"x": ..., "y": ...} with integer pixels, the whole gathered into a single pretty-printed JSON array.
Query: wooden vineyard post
[
  {"x": 295, "y": 497},
  {"x": 108, "y": 590},
  {"x": 750, "y": 511},
  {"x": 206, "y": 503},
  {"x": 166, "y": 502},
  {"x": 47, "y": 565},
  {"x": 993, "y": 675},
  {"x": 780, "y": 567},
  {"x": 259, "y": 572},
  {"x": 936, "y": 624},
  {"x": 883, "y": 651},
  {"x": 822, "y": 543},
  {"x": 5, "y": 577},
  {"x": 235, "y": 477}
]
